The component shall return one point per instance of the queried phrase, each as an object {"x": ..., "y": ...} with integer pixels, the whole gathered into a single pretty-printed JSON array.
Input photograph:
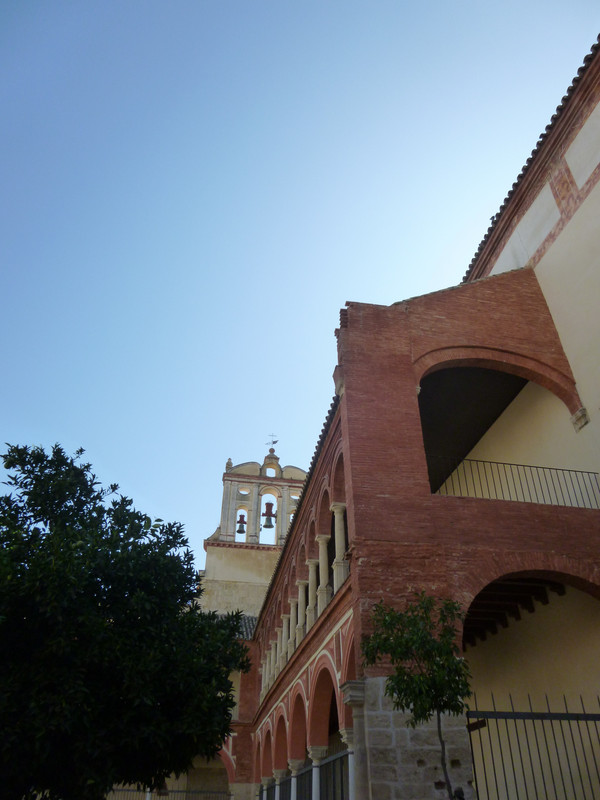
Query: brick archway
[
  {"x": 323, "y": 694},
  {"x": 520, "y": 364},
  {"x": 280, "y": 756},
  {"x": 298, "y": 727}
]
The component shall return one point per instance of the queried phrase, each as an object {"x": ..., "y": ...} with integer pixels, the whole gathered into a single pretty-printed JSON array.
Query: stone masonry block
[
  {"x": 375, "y": 721},
  {"x": 382, "y": 755},
  {"x": 401, "y": 736},
  {"x": 423, "y": 737},
  {"x": 381, "y": 739},
  {"x": 373, "y": 693},
  {"x": 382, "y": 791}
]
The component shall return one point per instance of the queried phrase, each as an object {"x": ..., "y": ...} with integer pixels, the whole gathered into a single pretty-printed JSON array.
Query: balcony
[{"x": 493, "y": 480}]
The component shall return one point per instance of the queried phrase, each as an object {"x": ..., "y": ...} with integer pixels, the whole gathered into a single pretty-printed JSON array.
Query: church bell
[
  {"x": 241, "y": 524},
  {"x": 269, "y": 514}
]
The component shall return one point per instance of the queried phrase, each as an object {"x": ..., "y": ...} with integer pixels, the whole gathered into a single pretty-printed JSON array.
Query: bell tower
[{"x": 259, "y": 501}]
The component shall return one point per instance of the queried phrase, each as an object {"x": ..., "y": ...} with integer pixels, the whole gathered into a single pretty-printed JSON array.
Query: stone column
[
  {"x": 273, "y": 654},
  {"x": 266, "y": 780},
  {"x": 252, "y": 530},
  {"x": 267, "y": 672},
  {"x": 293, "y": 624},
  {"x": 225, "y": 512},
  {"x": 316, "y": 755},
  {"x": 279, "y": 775},
  {"x": 311, "y": 609},
  {"x": 353, "y": 694},
  {"x": 278, "y": 651},
  {"x": 295, "y": 765},
  {"x": 282, "y": 517},
  {"x": 285, "y": 635},
  {"x": 340, "y": 565},
  {"x": 300, "y": 625},
  {"x": 264, "y": 676},
  {"x": 324, "y": 590}
]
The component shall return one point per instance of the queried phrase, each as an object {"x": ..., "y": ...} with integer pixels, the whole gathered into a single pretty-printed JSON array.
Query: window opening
[
  {"x": 268, "y": 519},
  {"x": 241, "y": 525}
]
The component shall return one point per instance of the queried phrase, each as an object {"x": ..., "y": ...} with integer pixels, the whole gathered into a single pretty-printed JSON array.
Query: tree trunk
[{"x": 443, "y": 755}]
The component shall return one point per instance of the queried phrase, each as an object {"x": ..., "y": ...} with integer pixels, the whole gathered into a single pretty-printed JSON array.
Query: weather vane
[{"x": 273, "y": 441}]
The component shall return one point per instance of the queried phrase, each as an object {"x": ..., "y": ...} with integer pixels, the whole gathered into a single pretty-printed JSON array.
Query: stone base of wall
[
  {"x": 243, "y": 791},
  {"x": 404, "y": 763}
]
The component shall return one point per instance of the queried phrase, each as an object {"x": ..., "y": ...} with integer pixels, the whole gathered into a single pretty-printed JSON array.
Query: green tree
[
  {"x": 429, "y": 677},
  {"x": 110, "y": 672}
]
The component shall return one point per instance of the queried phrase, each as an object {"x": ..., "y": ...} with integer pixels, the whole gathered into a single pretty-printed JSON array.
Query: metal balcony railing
[{"x": 493, "y": 480}]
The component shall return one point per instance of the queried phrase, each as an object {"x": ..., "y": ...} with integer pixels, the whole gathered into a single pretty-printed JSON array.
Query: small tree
[
  {"x": 109, "y": 670},
  {"x": 429, "y": 675}
]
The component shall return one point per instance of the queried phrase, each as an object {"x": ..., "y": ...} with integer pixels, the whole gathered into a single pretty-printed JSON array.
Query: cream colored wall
[
  {"x": 530, "y": 233},
  {"x": 569, "y": 270},
  {"x": 207, "y": 776},
  {"x": 554, "y": 651},
  {"x": 569, "y": 276},
  {"x": 237, "y": 577},
  {"x": 536, "y": 429},
  {"x": 294, "y": 473},
  {"x": 583, "y": 154}
]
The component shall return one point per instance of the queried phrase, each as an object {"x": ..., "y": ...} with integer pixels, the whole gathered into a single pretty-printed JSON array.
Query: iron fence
[
  {"x": 304, "y": 784},
  {"x": 285, "y": 788},
  {"x": 535, "y": 755},
  {"x": 333, "y": 777},
  {"x": 333, "y": 781},
  {"x": 494, "y": 480},
  {"x": 119, "y": 793},
  {"x": 270, "y": 792}
]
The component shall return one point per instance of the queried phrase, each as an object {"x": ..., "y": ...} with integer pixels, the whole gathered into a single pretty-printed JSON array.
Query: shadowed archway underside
[{"x": 458, "y": 405}]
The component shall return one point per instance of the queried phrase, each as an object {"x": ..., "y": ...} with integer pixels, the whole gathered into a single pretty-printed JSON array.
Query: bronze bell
[
  {"x": 269, "y": 514},
  {"x": 241, "y": 524}
]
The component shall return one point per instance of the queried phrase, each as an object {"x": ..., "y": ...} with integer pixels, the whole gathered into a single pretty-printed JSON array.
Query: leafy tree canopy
[
  {"x": 429, "y": 676},
  {"x": 110, "y": 672}
]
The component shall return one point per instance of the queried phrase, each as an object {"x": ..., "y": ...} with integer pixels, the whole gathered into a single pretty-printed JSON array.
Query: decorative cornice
[{"x": 242, "y": 545}]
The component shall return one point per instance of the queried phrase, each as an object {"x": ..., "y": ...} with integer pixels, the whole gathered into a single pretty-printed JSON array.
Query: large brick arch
[
  {"x": 324, "y": 514},
  {"x": 257, "y": 762},
  {"x": 348, "y": 674},
  {"x": 267, "y": 756},
  {"x": 280, "y": 750},
  {"x": 324, "y": 687},
  {"x": 227, "y": 762},
  {"x": 298, "y": 727},
  {"x": 532, "y": 369},
  {"x": 576, "y": 572},
  {"x": 338, "y": 486}
]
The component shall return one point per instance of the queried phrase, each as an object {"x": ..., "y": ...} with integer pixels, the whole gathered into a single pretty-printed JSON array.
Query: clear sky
[{"x": 191, "y": 190}]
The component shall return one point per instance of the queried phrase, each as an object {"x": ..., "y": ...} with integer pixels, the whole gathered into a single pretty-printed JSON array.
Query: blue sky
[{"x": 191, "y": 190}]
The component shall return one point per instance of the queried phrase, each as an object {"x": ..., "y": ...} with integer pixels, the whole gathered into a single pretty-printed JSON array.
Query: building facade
[{"x": 460, "y": 456}]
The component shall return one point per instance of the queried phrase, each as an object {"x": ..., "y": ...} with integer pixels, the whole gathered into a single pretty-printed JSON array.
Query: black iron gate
[{"x": 536, "y": 755}]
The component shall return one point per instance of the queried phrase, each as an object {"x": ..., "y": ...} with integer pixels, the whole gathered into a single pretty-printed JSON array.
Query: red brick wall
[{"x": 403, "y": 537}]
